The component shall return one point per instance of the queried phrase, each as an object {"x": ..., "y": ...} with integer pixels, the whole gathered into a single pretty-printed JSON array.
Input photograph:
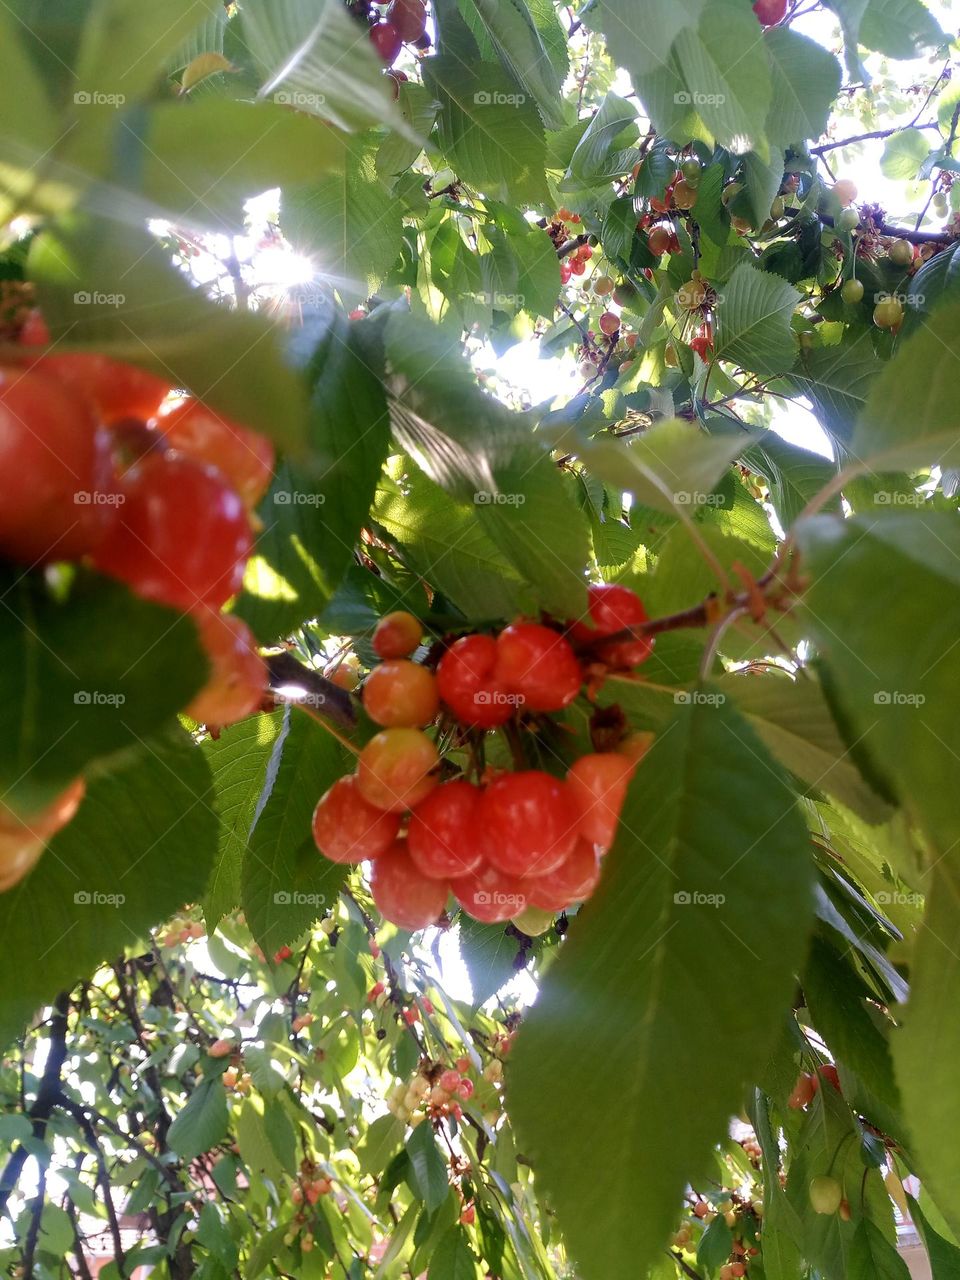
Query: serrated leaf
[
  {"x": 520, "y": 48},
  {"x": 806, "y": 80},
  {"x": 488, "y": 954},
  {"x": 428, "y": 1167},
  {"x": 708, "y": 813},
  {"x": 256, "y": 1149},
  {"x": 838, "y": 381},
  {"x": 899, "y": 28},
  {"x": 872, "y": 1257},
  {"x": 202, "y": 1123},
  {"x": 903, "y": 155},
  {"x": 643, "y": 48},
  {"x": 453, "y": 1258},
  {"x": 753, "y": 321},
  {"x": 587, "y": 163},
  {"x": 944, "y": 1256}
]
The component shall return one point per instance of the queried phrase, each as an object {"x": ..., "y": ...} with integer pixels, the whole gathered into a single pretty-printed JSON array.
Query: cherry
[
  {"x": 847, "y": 219},
  {"x": 770, "y": 12},
  {"x": 528, "y": 822},
  {"x": 533, "y": 921},
  {"x": 658, "y": 241},
  {"x": 574, "y": 879},
  {"x": 386, "y": 40},
  {"x": 179, "y": 536},
  {"x": 538, "y": 666},
  {"x": 410, "y": 19},
  {"x": 238, "y": 673},
  {"x": 465, "y": 679},
  {"x": 443, "y": 836},
  {"x": 348, "y": 829},
  {"x": 612, "y": 608},
  {"x": 845, "y": 191},
  {"x": 901, "y": 253},
  {"x": 23, "y": 839},
  {"x": 598, "y": 784},
  {"x": 449, "y": 1080},
  {"x": 396, "y": 635},
  {"x": 888, "y": 313},
  {"x": 826, "y": 1194},
  {"x": 609, "y": 324},
  {"x": 804, "y": 1091},
  {"x": 221, "y": 1048},
  {"x": 852, "y": 292},
  {"x": 830, "y": 1073},
  {"x": 685, "y": 195},
  {"x": 691, "y": 294},
  {"x": 114, "y": 389},
  {"x": 400, "y": 693},
  {"x": 393, "y": 771},
  {"x": 245, "y": 457},
  {"x": 468, "y": 1215},
  {"x": 602, "y": 286},
  {"x": 489, "y": 895},
  {"x": 702, "y": 345},
  {"x": 404, "y": 896},
  {"x": 50, "y": 456}
]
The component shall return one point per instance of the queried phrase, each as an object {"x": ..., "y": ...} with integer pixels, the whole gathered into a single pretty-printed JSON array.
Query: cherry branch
[{"x": 317, "y": 691}]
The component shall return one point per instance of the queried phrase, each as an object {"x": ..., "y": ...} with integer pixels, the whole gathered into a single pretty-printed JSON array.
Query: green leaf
[
  {"x": 762, "y": 179},
  {"x": 753, "y": 321},
  {"x": 202, "y": 1123},
  {"x": 900, "y": 28},
  {"x": 30, "y": 124},
  {"x": 538, "y": 281},
  {"x": 286, "y": 883},
  {"x": 314, "y": 511},
  {"x": 83, "y": 676},
  {"x": 238, "y": 763},
  {"x": 838, "y": 380},
  {"x": 383, "y": 1138},
  {"x": 488, "y": 953},
  {"x": 643, "y": 48},
  {"x": 140, "y": 846},
  {"x": 453, "y": 1258},
  {"x": 125, "y": 44},
  {"x": 872, "y": 1257},
  {"x": 397, "y": 152},
  {"x": 521, "y": 50},
  {"x": 146, "y": 312},
  {"x": 491, "y": 134},
  {"x": 793, "y": 475},
  {"x": 944, "y": 1256},
  {"x": 727, "y": 75},
  {"x": 256, "y": 1149},
  {"x": 710, "y": 870},
  {"x": 428, "y": 1168},
  {"x": 280, "y": 1133},
  {"x": 714, "y": 1247},
  {"x": 348, "y": 222},
  {"x": 912, "y": 417},
  {"x": 587, "y": 163},
  {"x": 903, "y": 155},
  {"x": 806, "y": 80}
]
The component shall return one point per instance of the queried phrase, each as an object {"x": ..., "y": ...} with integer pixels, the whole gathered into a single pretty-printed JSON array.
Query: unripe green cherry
[
  {"x": 852, "y": 292},
  {"x": 847, "y": 219},
  {"x": 691, "y": 170},
  {"x": 901, "y": 253},
  {"x": 826, "y": 1194}
]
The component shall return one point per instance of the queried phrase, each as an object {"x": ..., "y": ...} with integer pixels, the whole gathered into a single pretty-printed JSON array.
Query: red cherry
[
  {"x": 578, "y": 267},
  {"x": 400, "y": 693},
  {"x": 238, "y": 673},
  {"x": 245, "y": 457},
  {"x": 114, "y": 389},
  {"x": 702, "y": 345},
  {"x": 465, "y": 1089},
  {"x": 387, "y": 41},
  {"x": 804, "y": 1091},
  {"x": 538, "y": 666},
  {"x": 449, "y": 1080},
  {"x": 598, "y": 784},
  {"x": 609, "y": 324},
  {"x": 404, "y": 896},
  {"x": 410, "y": 1016},
  {"x": 410, "y": 19},
  {"x": 467, "y": 685},
  {"x": 770, "y": 12},
  {"x": 612, "y": 608},
  {"x": 573, "y": 881},
  {"x": 658, "y": 241},
  {"x": 348, "y": 829},
  {"x": 396, "y": 635},
  {"x": 468, "y": 1216},
  {"x": 23, "y": 839},
  {"x": 528, "y": 822},
  {"x": 283, "y": 954},
  {"x": 393, "y": 771},
  {"x": 50, "y": 460},
  {"x": 376, "y": 990},
  {"x": 830, "y": 1073},
  {"x": 443, "y": 836},
  {"x": 179, "y": 536},
  {"x": 489, "y": 895}
]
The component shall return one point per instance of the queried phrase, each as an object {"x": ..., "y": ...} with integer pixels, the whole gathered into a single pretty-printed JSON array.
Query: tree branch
[{"x": 318, "y": 692}]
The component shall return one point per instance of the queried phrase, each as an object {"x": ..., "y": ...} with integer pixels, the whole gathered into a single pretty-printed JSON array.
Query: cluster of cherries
[
  {"x": 518, "y": 839},
  {"x": 150, "y": 489},
  {"x": 405, "y": 22}
]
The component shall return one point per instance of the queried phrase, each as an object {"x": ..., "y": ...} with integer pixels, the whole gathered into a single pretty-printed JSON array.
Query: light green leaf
[
  {"x": 838, "y": 381},
  {"x": 710, "y": 869},
  {"x": 428, "y": 1167},
  {"x": 126, "y": 44},
  {"x": 397, "y": 152},
  {"x": 762, "y": 179},
  {"x": 453, "y": 1258},
  {"x": 488, "y": 953},
  {"x": 520, "y": 48},
  {"x": 30, "y": 124},
  {"x": 900, "y": 28},
  {"x": 872, "y": 1257},
  {"x": 538, "y": 281},
  {"x": 944, "y": 1256},
  {"x": 587, "y": 163},
  {"x": 643, "y": 47},
  {"x": 203, "y": 1121},
  {"x": 806, "y": 80},
  {"x": 753, "y": 321},
  {"x": 903, "y": 155},
  {"x": 256, "y": 1149}
]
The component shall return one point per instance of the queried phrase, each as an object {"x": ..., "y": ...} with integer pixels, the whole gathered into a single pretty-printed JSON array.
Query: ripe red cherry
[
  {"x": 50, "y": 455},
  {"x": 465, "y": 678},
  {"x": 114, "y": 389},
  {"x": 830, "y": 1073},
  {"x": 658, "y": 241},
  {"x": 443, "y": 836},
  {"x": 410, "y": 19},
  {"x": 396, "y": 635},
  {"x": 770, "y": 12},
  {"x": 404, "y": 896},
  {"x": 573, "y": 881},
  {"x": 538, "y": 666},
  {"x": 598, "y": 784},
  {"x": 612, "y": 608},
  {"x": 23, "y": 839},
  {"x": 490, "y": 895},
  {"x": 387, "y": 41},
  {"x": 528, "y": 822},
  {"x": 179, "y": 536},
  {"x": 400, "y": 693},
  {"x": 238, "y": 675},
  {"x": 609, "y": 324},
  {"x": 804, "y": 1091},
  {"x": 393, "y": 771},
  {"x": 348, "y": 829},
  {"x": 245, "y": 457}
]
